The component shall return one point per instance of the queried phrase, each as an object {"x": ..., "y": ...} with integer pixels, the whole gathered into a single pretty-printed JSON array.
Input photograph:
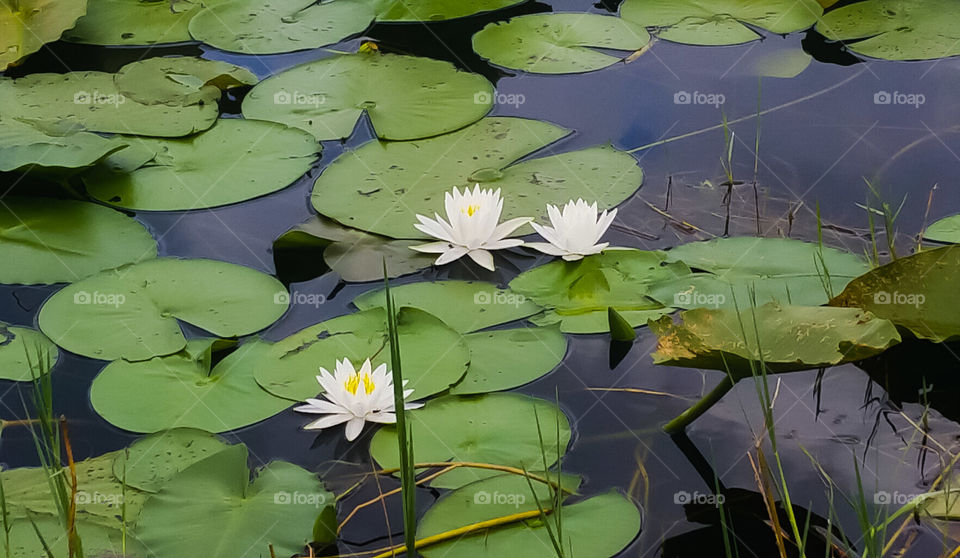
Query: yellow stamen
[
  {"x": 368, "y": 384},
  {"x": 470, "y": 210},
  {"x": 352, "y": 384}
]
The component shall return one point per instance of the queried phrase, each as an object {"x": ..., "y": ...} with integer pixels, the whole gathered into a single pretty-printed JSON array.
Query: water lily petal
[
  {"x": 354, "y": 427},
  {"x": 546, "y": 248},
  {"x": 504, "y": 229},
  {"x": 483, "y": 258},
  {"x": 453, "y": 254},
  {"x": 382, "y": 418},
  {"x": 319, "y": 406},
  {"x": 433, "y": 247},
  {"x": 328, "y": 421}
]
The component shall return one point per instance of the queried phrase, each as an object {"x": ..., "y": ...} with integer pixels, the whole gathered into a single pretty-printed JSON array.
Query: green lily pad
[
  {"x": 56, "y": 241},
  {"x": 945, "y": 230},
  {"x": 498, "y": 428},
  {"x": 790, "y": 338},
  {"x": 136, "y": 22},
  {"x": 578, "y": 294},
  {"x": 25, "y": 353},
  {"x": 598, "y": 527},
  {"x": 91, "y": 101},
  {"x": 355, "y": 255},
  {"x": 463, "y": 305},
  {"x": 436, "y": 10},
  {"x": 234, "y": 161},
  {"x": 26, "y": 25},
  {"x": 326, "y": 97},
  {"x": 508, "y": 358},
  {"x": 917, "y": 292},
  {"x": 26, "y": 148},
  {"x": 381, "y": 186},
  {"x": 896, "y": 29},
  {"x": 721, "y": 22},
  {"x": 97, "y": 540},
  {"x": 275, "y": 26},
  {"x": 181, "y": 390},
  {"x": 434, "y": 356},
  {"x": 132, "y": 312},
  {"x": 785, "y": 64},
  {"x": 153, "y": 460},
  {"x": 180, "y": 80},
  {"x": 561, "y": 43},
  {"x": 212, "y": 509}
]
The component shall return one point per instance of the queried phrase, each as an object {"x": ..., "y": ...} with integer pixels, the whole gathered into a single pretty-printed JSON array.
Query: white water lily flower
[
  {"x": 472, "y": 227},
  {"x": 354, "y": 398},
  {"x": 576, "y": 230}
]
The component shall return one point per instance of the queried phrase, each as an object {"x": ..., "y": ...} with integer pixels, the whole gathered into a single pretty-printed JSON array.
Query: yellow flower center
[
  {"x": 470, "y": 210},
  {"x": 353, "y": 384}
]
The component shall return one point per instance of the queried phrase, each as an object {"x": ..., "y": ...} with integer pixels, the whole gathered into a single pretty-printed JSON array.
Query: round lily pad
[
  {"x": 274, "y": 26},
  {"x": 498, "y": 428},
  {"x": 436, "y": 10},
  {"x": 326, "y": 98},
  {"x": 181, "y": 390},
  {"x": 180, "y": 80},
  {"x": 56, "y": 241},
  {"x": 945, "y": 230},
  {"x": 24, "y": 147},
  {"x": 136, "y": 22},
  {"x": 562, "y": 43},
  {"x": 896, "y": 29},
  {"x": 434, "y": 357},
  {"x": 25, "y": 353},
  {"x": 153, "y": 460},
  {"x": 381, "y": 186},
  {"x": 507, "y": 358},
  {"x": 27, "y": 24},
  {"x": 132, "y": 312},
  {"x": 720, "y": 22},
  {"x": 463, "y": 305},
  {"x": 236, "y": 160},
  {"x": 212, "y": 509}
]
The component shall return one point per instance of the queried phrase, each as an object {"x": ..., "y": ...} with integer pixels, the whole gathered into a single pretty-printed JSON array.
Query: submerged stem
[{"x": 684, "y": 419}]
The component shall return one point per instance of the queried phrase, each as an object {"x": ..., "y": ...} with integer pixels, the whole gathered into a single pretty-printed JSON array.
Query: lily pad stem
[{"x": 680, "y": 423}]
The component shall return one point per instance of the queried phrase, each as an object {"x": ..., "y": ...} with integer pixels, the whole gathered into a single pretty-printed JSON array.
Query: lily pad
[
  {"x": 97, "y": 540},
  {"x": 326, "y": 97},
  {"x": 498, "y": 428},
  {"x": 26, "y": 25},
  {"x": 945, "y": 230},
  {"x": 463, "y": 305},
  {"x": 790, "y": 338},
  {"x": 212, "y": 509},
  {"x": 355, "y": 255},
  {"x": 136, "y": 22},
  {"x": 181, "y": 390},
  {"x": 508, "y": 358},
  {"x": 917, "y": 292},
  {"x": 152, "y": 461},
  {"x": 436, "y": 10},
  {"x": 132, "y": 312},
  {"x": 180, "y": 80},
  {"x": 380, "y": 187},
  {"x": 91, "y": 101},
  {"x": 896, "y": 29},
  {"x": 275, "y": 26},
  {"x": 578, "y": 294},
  {"x": 561, "y": 43},
  {"x": 25, "y": 353},
  {"x": 785, "y": 64},
  {"x": 234, "y": 161},
  {"x": 26, "y": 148},
  {"x": 56, "y": 241},
  {"x": 434, "y": 356},
  {"x": 721, "y": 22}
]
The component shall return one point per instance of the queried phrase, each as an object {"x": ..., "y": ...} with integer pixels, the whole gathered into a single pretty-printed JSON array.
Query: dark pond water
[{"x": 816, "y": 151}]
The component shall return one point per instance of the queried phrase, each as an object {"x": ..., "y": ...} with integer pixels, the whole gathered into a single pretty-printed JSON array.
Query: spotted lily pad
[
  {"x": 180, "y": 80},
  {"x": 561, "y": 43},
  {"x": 181, "y": 390},
  {"x": 498, "y": 428},
  {"x": 97, "y": 539},
  {"x": 721, "y": 22},
  {"x": 153, "y": 460},
  {"x": 56, "y": 241},
  {"x": 25, "y": 353},
  {"x": 381, "y": 186},
  {"x": 507, "y": 358},
  {"x": 136, "y": 22},
  {"x": 26, "y": 25},
  {"x": 132, "y": 312},
  {"x": 945, "y": 230},
  {"x": 436, "y": 10},
  {"x": 896, "y": 29},
  {"x": 234, "y": 161},
  {"x": 24, "y": 148},
  {"x": 274, "y": 26},
  {"x": 326, "y": 97}
]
